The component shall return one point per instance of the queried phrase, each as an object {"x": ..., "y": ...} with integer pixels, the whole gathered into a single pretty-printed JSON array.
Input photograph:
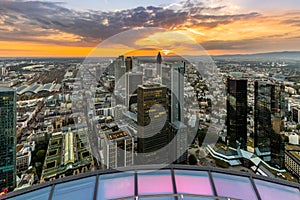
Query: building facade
[
  {"x": 268, "y": 114},
  {"x": 292, "y": 159},
  {"x": 173, "y": 79},
  {"x": 296, "y": 114},
  {"x": 237, "y": 113},
  {"x": 158, "y": 65},
  {"x": 118, "y": 149},
  {"x": 152, "y": 119},
  {"x": 7, "y": 138},
  {"x": 133, "y": 80}
]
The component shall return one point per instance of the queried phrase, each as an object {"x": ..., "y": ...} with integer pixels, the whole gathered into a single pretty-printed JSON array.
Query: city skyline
[
  {"x": 73, "y": 29},
  {"x": 151, "y": 126}
]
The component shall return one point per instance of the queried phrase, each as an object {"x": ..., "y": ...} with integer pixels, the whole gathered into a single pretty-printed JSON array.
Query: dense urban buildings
[
  {"x": 7, "y": 138},
  {"x": 150, "y": 119}
]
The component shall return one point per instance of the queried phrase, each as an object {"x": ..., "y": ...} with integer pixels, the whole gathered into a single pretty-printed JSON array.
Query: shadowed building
[
  {"x": 128, "y": 64},
  {"x": 173, "y": 78},
  {"x": 133, "y": 80},
  {"x": 119, "y": 65},
  {"x": 153, "y": 124},
  {"x": 158, "y": 65},
  {"x": 269, "y": 111},
  {"x": 237, "y": 113},
  {"x": 7, "y": 138}
]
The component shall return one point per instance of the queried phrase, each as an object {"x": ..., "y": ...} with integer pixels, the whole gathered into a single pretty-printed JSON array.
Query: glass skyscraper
[
  {"x": 173, "y": 78},
  {"x": 7, "y": 137},
  {"x": 269, "y": 111},
  {"x": 237, "y": 113},
  {"x": 153, "y": 124}
]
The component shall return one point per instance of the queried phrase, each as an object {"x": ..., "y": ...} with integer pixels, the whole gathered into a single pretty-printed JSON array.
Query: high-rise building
[
  {"x": 129, "y": 64},
  {"x": 153, "y": 123},
  {"x": 119, "y": 65},
  {"x": 120, "y": 70},
  {"x": 133, "y": 80},
  {"x": 296, "y": 114},
  {"x": 118, "y": 149},
  {"x": 158, "y": 65},
  {"x": 177, "y": 91},
  {"x": 179, "y": 144},
  {"x": 173, "y": 78},
  {"x": 237, "y": 113},
  {"x": 7, "y": 138},
  {"x": 268, "y": 114}
]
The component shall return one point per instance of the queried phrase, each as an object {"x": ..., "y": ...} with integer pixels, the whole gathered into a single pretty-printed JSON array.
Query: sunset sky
[{"x": 75, "y": 27}]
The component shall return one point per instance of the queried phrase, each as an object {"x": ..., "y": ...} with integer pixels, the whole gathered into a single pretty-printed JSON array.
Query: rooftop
[
  {"x": 161, "y": 182},
  {"x": 6, "y": 89},
  {"x": 66, "y": 149}
]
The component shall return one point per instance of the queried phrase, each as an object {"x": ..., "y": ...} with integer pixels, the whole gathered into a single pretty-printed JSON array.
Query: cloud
[
  {"x": 252, "y": 45},
  {"x": 37, "y": 21},
  {"x": 293, "y": 22}
]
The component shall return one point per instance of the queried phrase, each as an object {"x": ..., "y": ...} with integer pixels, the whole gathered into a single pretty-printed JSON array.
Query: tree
[
  {"x": 193, "y": 160},
  {"x": 201, "y": 134},
  {"x": 221, "y": 163},
  {"x": 298, "y": 127},
  {"x": 41, "y": 155}
]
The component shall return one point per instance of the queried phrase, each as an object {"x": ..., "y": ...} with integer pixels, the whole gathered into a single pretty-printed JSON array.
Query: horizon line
[{"x": 214, "y": 55}]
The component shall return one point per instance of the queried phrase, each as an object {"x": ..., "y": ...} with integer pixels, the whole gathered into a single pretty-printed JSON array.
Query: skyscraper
[
  {"x": 118, "y": 148},
  {"x": 120, "y": 69},
  {"x": 133, "y": 79},
  {"x": 158, "y": 65},
  {"x": 7, "y": 138},
  {"x": 237, "y": 113},
  {"x": 153, "y": 124},
  {"x": 173, "y": 78},
  {"x": 128, "y": 64},
  {"x": 269, "y": 109},
  {"x": 177, "y": 91}
]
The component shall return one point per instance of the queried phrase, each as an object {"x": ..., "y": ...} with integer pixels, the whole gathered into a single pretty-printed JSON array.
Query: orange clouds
[
  {"x": 30, "y": 49},
  {"x": 218, "y": 28}
]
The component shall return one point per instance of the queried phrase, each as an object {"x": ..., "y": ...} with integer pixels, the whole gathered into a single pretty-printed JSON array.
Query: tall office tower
[
  {"x": 177, "y": 91},
  {"x": 158, "y": 65},
  {"x": 153, "y": 124},
  {"x": 120, "y": 70},
  {"x": 128, "y": 64},
  {"x": 237, "y": 113},
  {"x": 268, "y": 114},
  {"x": 133, "y": 80},
  {"x": 173, "y": 78},
  {"x": 118, "y": 149},
  {"x": 7, "y": 138}
]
